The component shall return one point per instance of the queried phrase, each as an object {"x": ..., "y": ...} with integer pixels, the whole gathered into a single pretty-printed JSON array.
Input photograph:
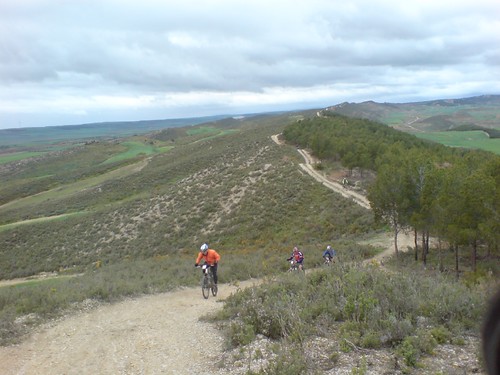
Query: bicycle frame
[
  {"x": 294, "y": 266},
  {"x": 207, "y": 282}
]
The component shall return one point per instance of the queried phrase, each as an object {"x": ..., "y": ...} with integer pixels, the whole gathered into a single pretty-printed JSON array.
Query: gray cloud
[{"x": 89, "y": 60}]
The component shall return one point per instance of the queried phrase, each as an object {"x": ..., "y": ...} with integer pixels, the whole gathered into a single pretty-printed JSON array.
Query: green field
[
  {"x": 73, "y": 189},
  {"x": 469, "y": 139},
  {"x": 51, "y": 134},
  {"x": 16, "y": 156},
  {"x": 32, "y": 152},
  {"x": 134, "y": 149},
  {"x": 209, "y": 131}
]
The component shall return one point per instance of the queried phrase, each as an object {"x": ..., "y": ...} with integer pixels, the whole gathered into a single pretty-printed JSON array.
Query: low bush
[
  {"x": 363, "y": 307},
  {"x": 414, "y": 347},
  {"x": 289, "y": 360}
]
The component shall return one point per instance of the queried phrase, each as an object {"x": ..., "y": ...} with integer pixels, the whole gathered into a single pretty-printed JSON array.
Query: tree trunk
[
  {"x": 440, "y": 250},
  {"x": 396, "y": 231},
  {"x": 474, "y": 255},
  {"x": 416, "y": 244},
  {"x": 424, "y": 252},
  {"x": 427, "y": 236}
]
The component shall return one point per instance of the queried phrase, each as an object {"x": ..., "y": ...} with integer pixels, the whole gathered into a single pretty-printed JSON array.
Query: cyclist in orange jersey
[{"x": 211, "y": 258}]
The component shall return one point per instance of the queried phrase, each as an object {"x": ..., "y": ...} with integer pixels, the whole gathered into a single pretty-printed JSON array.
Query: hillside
[
  {"x": 119, "y": 223},
  {"x": 135, "y": 337},
  {"x": 481, "y": 111},
  {"x": 205, "y": 189},
  {"x": 109, "y": 220}
]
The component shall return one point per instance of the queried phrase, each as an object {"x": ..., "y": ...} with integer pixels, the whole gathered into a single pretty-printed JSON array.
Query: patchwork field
[{"x": 470, "y": 140}]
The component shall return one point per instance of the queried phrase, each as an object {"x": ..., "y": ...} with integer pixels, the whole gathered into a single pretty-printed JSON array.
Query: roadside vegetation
[{"x": 126, "y": 218}]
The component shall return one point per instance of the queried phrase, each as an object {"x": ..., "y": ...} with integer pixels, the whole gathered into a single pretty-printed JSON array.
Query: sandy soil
[{"x": 159, "y": 334}]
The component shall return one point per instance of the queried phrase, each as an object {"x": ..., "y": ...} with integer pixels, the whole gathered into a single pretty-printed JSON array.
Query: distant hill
[
  {"x": 424, "y": 119},
  {"x": 39, "y": 135},
  {"x": 475, "y": 113}
]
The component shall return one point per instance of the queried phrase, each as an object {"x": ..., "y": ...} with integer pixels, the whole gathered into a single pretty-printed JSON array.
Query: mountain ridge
[{"x": 433, "y": 115}]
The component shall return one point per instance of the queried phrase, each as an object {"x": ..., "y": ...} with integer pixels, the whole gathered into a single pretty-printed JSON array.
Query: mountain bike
[
  {"x": 294, "y": 266},
  {"x": 328, "y": 260},
  {"x": 207, "y": 282}
]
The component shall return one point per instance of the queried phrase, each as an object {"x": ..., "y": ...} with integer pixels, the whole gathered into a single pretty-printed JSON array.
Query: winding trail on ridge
[
  {"x": 404, "y": 240},
  {"x": 156, "y": 334},
  {"x": 308, "y": 167}
]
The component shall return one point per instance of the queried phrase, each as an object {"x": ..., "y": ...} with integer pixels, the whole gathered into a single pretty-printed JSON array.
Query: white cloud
[{"x": 103, "y": 58}]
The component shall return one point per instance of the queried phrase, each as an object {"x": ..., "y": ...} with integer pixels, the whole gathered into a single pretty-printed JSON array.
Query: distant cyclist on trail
[
  {"x": 211, "y": 258},
  {"x": 298, "y": 257},
  {"x": 329, "y": 253}
]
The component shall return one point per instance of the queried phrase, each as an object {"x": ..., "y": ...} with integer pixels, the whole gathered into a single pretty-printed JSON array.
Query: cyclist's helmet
[
  {"x": 328, "y": 247},
  {"x": 204, "y": 248},
  {"x": 295, "y": 249}
]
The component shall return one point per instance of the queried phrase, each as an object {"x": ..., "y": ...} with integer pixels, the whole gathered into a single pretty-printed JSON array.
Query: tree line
[{"x": 446, "y": 193}]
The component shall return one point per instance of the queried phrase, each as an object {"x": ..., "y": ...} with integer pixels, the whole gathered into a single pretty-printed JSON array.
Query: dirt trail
[
  {"x": 158, "y": 334},
  {"x": 335, "y": 186},
  {"x": 308, "y": 167},
  {"x": 384, "y": 241}
]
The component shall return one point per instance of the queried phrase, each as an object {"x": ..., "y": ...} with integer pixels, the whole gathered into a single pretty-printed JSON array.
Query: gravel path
[
  {"x": 308, "y": 167},
  {"x": 159, "y": 334}
]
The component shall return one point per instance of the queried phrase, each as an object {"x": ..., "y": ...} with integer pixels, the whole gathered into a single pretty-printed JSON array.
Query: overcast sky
[{"x": 79, "y": 61}]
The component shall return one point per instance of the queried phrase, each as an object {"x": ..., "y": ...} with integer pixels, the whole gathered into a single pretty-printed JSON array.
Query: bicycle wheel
[
  {"x": 214, "y": 289},
  {"x": 205, "y": 287}
]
